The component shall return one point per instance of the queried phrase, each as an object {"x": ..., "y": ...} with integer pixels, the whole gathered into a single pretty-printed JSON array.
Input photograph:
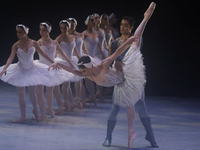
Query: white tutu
[{"x": 26, "y": 72}]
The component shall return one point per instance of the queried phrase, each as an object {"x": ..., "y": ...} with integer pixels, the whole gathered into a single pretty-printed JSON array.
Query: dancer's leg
[
  {"x": 41, "y": 101},
  {"x": 22, "y": 105},
  {"x": 145, "y": 119},
  {"x": 90, "y": 86},
  {"x": 83, "y": 94},
  {"x": 33, "y": 98},
  {"x": 131, "y": 119},
  {"x": 112, "y": 119},
  {"x": 58, "y": 97},
  {"x": 99, "y": 92},
  {"x": 78, "y": 94},
  {"x": 49, "y": 97},
  {"x": 67, "y": 95}
]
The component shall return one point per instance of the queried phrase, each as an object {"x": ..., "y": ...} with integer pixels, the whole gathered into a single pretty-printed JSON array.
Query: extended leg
[
  {"x": 112, "y": 119},
  {"x": 90, "y": 86},
  {"x": 41, "y": 101},
  {"x": 58, "y": 97},
  {"x": 49, "y": 97},
  {"x": 22, "y": 105},
  {"x": 78, "y": 94}
]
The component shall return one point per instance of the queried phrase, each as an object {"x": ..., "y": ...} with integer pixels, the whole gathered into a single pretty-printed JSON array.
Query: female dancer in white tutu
[
  {"x": 58, "y": 77},
  {"x": 108, "y": 33},
  {"x": 68, "y": 45},
  {"x": 128, "y": 84},
  {"x": 26, "y": 72},
  {"x": 102, "y": 41},
  {"x": 92, "y": 44},
  {"x": 81, "y": 50}
]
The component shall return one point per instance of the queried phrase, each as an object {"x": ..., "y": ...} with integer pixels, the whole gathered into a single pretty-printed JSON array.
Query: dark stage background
[{"x": 171, "y": 38}]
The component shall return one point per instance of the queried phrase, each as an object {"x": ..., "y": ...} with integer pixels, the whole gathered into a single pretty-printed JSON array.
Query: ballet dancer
[
  {"x": 50, "y": 46},
  {"x": 126, "y": 27},
  {"x": 26, "y": 72},
  {"x": 130, "y": 83},
  {"x": 81, "y": 50},
  {"x": 92, "y": 44},
  {"x": 112, "y": 23},
  {"x": 68, "y": 45},
  {"x": 108, "y": 33}
]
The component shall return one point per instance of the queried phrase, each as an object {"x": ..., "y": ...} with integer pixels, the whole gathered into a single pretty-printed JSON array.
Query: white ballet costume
[
  {"x": 58, "y": 76},
  {"x": 129, "y": 84},
  {"x": 68, "y": 50},
  {"x": 26, "y": 72},
  {"x": 91, "y": 46},
  {"x": 101, "y": 37},
  {"x": 108, "y": 39}
]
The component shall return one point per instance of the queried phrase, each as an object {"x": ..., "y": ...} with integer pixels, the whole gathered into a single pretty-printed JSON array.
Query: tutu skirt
[{"x": 19, "y": 76}]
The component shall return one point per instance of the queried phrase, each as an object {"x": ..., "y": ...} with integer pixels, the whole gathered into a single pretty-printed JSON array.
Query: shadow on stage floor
[{"x": 176, "y": 124}]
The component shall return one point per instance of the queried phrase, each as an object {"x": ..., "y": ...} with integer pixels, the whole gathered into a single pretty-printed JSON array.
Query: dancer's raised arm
[{"x": 135, "y": 38}]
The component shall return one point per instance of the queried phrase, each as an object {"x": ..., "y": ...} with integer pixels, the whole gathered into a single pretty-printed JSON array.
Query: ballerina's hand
[
  {"x": 54, "y": 66},
  {"x": 3, "y": 72}
]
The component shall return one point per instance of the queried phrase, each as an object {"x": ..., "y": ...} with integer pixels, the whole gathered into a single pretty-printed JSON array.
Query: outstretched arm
[
  {"x": 65, "y": 67},
  {"x": 136, "y": 38},
  {"x": 10, "y": 59}
]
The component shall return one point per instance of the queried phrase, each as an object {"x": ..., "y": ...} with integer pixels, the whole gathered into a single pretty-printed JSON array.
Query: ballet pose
[
  {"x": 129, "y": 84},
  {"x": 68, "y": 44},
  {"x": 26, "y": 72},
  {"x": 126, "y": 27},
  {"x": 92, "y": 44},
  {"x": 50, "y": 46},
  {"x": 81, "y": 50}
]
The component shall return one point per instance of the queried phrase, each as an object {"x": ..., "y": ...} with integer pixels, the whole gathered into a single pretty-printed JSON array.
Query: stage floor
[{"x": 175, "y": 121}]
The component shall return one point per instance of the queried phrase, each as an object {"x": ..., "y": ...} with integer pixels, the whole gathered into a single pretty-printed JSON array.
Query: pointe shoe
[
  {"x": 78, "y": 103},
  {"x": 59, "y": 111},
  {"x": 37, "y": 118},
  {"x": 51, "y": 112},
  {"x": 22, "y": 121},
  {"x": 131, "y": 137}
]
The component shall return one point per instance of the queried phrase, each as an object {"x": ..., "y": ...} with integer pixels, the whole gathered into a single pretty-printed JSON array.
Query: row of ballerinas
[
  {"x": 128, "y": 84},
  {"x": 93, "y": 41}
]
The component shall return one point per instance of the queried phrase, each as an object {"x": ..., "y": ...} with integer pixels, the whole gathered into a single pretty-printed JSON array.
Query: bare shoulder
[
  {"x": 55, "y": 42},
  {"x": 15, "y": 46},
  {"x": 59, "y": 38}
]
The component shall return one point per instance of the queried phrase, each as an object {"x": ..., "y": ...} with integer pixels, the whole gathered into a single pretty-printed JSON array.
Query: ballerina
[
  {"x": 81, "y": 50},
  {"x": 67, "y": 43},
  {"x": 59, "y": 76},
  {"x": 128, "y": 84},
  {"x": 26, "y": 72},
  {"x": 108, "y": 33},
  {"x": 92, "y": 44}
]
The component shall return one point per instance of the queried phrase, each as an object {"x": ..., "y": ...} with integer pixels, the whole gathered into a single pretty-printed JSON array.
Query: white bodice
[
  {"x": 50, "y": 52},
  {"x": 68, "y": 49},
  {"x": 79, "y": 44},
  {"x": 91, "y": 45},
  {"x": 26, "y": 59}
]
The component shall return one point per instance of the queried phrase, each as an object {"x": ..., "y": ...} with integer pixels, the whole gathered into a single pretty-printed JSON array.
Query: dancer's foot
[
  {"x": 151, "y": 140},
  {"x": 99, "y": 95},
  {"x": 71, "y": 106},
  {"x": 65, "y": 104},
  {"x": 20, "y": 120},
  {"x": 59, "y": 111},
  {"x": 78, "y": 103},
  {"x": 93, "y": 99},
  {"x": 51, "y": 112},
  {"x": 131, "y": 137},
  {"x": 36, "y": 115},
  {"x": 107, "y": 142}
]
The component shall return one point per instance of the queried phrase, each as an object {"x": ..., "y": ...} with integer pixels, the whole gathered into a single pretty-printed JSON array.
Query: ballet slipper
[
  {"x": 36, "y": 115},
  {"x": 51, "y": 112},
  {"x": 131, "y": 137},
  {"x": 20, "y": 120},
  {"x": 78, "y": 103},
  {"x": 59, "y": 111},
  {"x": 71, "y": 106}
]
